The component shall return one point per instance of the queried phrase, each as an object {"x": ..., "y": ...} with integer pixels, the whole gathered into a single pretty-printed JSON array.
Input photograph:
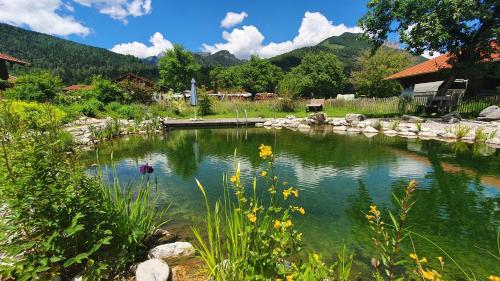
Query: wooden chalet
[
  {"x": 4, "y": 71},
  {"x": 136, "y": 79}
]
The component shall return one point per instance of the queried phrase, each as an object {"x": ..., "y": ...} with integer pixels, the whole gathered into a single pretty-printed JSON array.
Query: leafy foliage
[
  {"x": 320, "y": 74},
  {"x": 465, "y": 29},
  {"x": 73, "y": 62},
  {"x": 105, "y": 90},
  {"x": 177, "y": 68},
  {"x": 369, "y": 80},
  {"x": 39, "y": 86},
  {"x": 205, "y": 104},
  {"x": 259, "y": 76},
  {"x": 136, "y": 92}
]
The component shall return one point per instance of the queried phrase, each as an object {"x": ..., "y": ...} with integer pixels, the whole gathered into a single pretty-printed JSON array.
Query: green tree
[
  {"x": 136, "y": 92},
  {"x": 36, "y": 86},
  {"x": 259, "y": 75},
  {"x": 105, "y": 90},
  {"x": 177, "y": 68},
  {"x": 463, "y": 28},
  {"x": 369, "y": 80},
  {"x": 226, "y": 78},
  {"x": 320, "y": 74}
]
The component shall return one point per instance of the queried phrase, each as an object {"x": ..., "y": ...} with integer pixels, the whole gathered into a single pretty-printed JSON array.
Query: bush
[
  {"x": 92, "y": 107},
  {"x": 205, "y": 105},
  {"x": 105, "y": 90},
  {"x": 17, "y": 114},
  {"x": 130, "y": 112},
  {"x": 61, "y": 221},
  {"x": 38, "y": 86}
]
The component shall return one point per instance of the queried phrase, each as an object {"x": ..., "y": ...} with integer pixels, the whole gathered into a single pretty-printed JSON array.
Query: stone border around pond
[{"x": 407, "y": 127}]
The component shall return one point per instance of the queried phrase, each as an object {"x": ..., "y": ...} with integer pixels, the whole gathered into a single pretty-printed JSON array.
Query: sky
[{"x": 146, "y": 28}]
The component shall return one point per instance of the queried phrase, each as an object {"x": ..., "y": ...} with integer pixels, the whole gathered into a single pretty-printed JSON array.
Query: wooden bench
[{"x": 315, "y": 105}]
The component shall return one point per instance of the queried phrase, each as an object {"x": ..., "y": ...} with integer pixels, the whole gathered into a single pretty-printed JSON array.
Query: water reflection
[{"x": 340, "y": 176}]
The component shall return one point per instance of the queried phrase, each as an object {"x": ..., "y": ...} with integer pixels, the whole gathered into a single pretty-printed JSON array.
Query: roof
[
  {"x": 426, "y": 88},
  {"x": 134, "y": 76},
  {"x": 430, "y": 66},
  {"x": 11, "y": 59},
  {"x": 78, "y": 88}
]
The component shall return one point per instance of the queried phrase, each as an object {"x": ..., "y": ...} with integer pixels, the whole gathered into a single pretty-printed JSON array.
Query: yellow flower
[
  {"x": 316, "y": 257},
  {"x": 233, "y": 179},
  {"x": 265, "y": 151},
  {"x": 288, "y": 223},
  {"x": 302, "y": 211},
  {"x": 369, "y": 217},
  {"x": 286, "y": 193},
  {"x": 277, "y": 279},
  {"x": 263, "y": 173},
  {"x": 289, "y": 278},
  {"x": 423, "y": 260},
  {"x": 414, "y": 256},
  {"x": 373, "y": 209},
  {"x": 251, "y": 217},
  {"x": 440, "y": 259},
  {"x": 429, "y": 275},
  {"x": 277, "y": 224},
  {"x": 295, "y": 193},
  {"x": 494, "y": 278}
]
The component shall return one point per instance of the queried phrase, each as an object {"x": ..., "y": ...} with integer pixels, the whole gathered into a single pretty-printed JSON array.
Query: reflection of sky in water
[{"x": 338, "y": 181}]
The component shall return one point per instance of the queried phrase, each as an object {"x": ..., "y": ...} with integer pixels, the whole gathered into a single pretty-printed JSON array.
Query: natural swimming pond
[{"x": 339, "y": 176}]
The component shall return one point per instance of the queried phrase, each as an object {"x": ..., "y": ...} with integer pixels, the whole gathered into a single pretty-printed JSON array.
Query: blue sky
[{"x": 262, "y": 27}]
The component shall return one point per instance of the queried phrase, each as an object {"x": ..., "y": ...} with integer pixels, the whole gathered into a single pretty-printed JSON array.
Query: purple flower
[{"x": 146, "y": 169}]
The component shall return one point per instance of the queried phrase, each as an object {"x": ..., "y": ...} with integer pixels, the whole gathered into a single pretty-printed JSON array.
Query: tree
[
  {"x": 259, "y": 75},
  {"x": 136, "y": 92},
  {"x": 226, "y": 78},
  {"x": 320, "y": 74},
  {"x": 36, "y": 86},
  {"x": 463, "y": 28},
  {"x": 369, "y": 80},
  {"x": 106, "y": 91},
  {"x": 177, "y": 68}
]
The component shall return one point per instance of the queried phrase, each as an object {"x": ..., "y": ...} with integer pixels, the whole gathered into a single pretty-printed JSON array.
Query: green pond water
[{"x": 339, "y": 176}]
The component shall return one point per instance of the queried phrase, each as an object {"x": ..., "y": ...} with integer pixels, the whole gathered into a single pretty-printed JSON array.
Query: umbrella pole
[{"x": 194, "y": 107}]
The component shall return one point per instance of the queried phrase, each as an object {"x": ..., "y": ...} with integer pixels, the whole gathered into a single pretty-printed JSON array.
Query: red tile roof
[
  {"x": 11, "y": 59},
  {"x": 78, "y": 88},
  {"x": 433, "y": 65}
]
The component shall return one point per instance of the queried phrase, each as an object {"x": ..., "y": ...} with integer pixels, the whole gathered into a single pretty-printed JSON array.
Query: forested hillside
[
  {"x": 73, "y": 62},
  {"x": 347, "y": 47}
]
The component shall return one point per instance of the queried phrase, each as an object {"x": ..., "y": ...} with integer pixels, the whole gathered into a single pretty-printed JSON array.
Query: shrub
[
  {"x": 92, "y": 107},
  {"x": 105, "y": 90},
  {"x": 130, "y": 112},
  {"x": 136, "y": 92},
  {"x": 61, "y": 221},
  {"x": 113, "y": 106},
  {"x": 18, "y": 114},
  {"x": 461, "y": 131},
  {"x": 37, "y": 86},
  {"x": 205, "y": 105}
]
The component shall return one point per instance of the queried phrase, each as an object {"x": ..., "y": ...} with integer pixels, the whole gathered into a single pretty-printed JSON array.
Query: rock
[
  {"x": 319, "y": 118},
  {"x": 493, "y": 142},
  {"x": 452, "y": 117},
  {"x": 77, "y": 278},
  {"x": 407, "y": 134},
  {"x": 412, "y": 119},
  {"x": 428, "y": 134},
  {"x": 268, "y": 123},
  {"x": 491, "y": 113},
  {"x": 304, "y": 127},
  {"x": 339, "y": 123},
  {"x": 354, "y": 117},
  {"x": 340, "y": 128},
  {"x": 290, "y": 117},
  {"x": 449, "y": 135},
  {"x": 152, "y": 270},
  {"x": 370, "y": 130},
  {"x": 391, "y": 132},
  {"x": 293, "y": 125},
  {"x": 354, "y": 130},
  {"x": 172, "y": 250}
]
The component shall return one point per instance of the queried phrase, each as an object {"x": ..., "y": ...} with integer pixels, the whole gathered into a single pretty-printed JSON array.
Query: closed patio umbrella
[{"x": 194, "y": 96}]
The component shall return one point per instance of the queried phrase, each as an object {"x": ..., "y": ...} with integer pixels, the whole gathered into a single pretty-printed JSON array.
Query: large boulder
[
  {"x": 152, "y": 270},
  {"x": 318, "y": 118},
  {"x": 412, "y": 119},
  {"x": 172, "y": 250},
  {"x": 349, "y": 118},
  {"x": 370, "y": 130},
  {"x": 491, "y": 113},
  {"x": 452, "y": 117}
]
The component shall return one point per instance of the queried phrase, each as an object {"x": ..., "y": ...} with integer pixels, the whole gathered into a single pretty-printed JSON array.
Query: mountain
[
  {"x": 73, "y": 62},
  {"x": 207, "y": 60},
  {"x": 347, "y": 47}
]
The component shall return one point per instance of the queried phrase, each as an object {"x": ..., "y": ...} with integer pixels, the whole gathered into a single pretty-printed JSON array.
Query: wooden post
[{"x": 4, "y": 73}]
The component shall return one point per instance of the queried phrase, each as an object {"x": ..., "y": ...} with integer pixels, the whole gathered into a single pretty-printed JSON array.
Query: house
[
  {"x": 74, "y": 88},
  {"x": 136, "y": 79},
  {"x": 4, "y": 71},
  {"x": 426, "y": 78}
]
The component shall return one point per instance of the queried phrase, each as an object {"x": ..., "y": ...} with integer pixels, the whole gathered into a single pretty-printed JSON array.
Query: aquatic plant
[
  {"x": 461, "y": 131},
  {"x": 418, "y": 125},
  {"x": 259, "y": 240},
  {"x": 480, "y": 135},
  {"x": 377, "y": 125},
  {"x": 395, "y": 125}
]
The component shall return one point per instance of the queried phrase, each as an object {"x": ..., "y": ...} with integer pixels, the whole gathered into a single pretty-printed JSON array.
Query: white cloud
[
  {"x": 427, "y": 54},
  {"x": 42, "y": 16},
  {"x": 231, "y": 19},
  {"x": 158, "y": 45},
  {"x": 119, "y": 9},
  {"x": 248, "y": 40}
]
